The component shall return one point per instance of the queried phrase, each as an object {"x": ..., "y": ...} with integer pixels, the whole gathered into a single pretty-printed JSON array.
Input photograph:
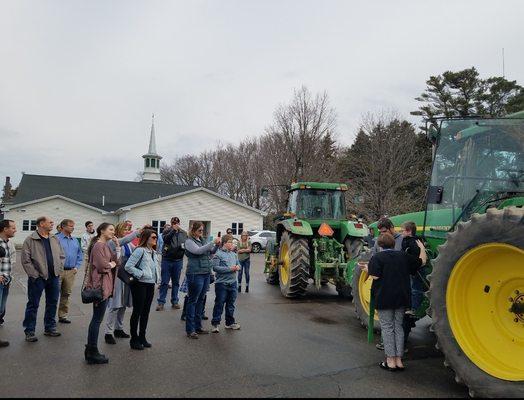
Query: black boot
[
  {"x": 92, "y": 356},
  {"x": 136, "y": 344},
  {"x": 109, "y": 339},
  {"x": 247, "y": 289},
  {"x": 144, "y": 342},
  {"x": 121, "y": 334}
]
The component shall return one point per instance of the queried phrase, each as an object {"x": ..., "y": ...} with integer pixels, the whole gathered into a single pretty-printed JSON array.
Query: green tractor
[
  {"x": 314, "y": 240},
  {"x": 473, "y": 227}
]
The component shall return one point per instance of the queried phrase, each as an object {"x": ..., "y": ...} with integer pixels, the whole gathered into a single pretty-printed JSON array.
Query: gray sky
[{"x": 80, "y": 79}]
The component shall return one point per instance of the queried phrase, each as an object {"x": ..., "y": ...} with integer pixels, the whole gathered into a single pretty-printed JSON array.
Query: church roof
[{"x": 116, "y": 194}]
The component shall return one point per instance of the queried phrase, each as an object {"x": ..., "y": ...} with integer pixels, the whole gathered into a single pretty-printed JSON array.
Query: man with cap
[{"x": 172, "y": 262}]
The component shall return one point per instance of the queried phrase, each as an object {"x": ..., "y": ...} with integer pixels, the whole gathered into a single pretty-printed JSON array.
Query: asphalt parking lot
[{"x": 313, "y": 347}]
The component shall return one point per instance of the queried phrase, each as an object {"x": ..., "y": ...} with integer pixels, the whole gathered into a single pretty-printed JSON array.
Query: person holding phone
[
  {"x": 198, "y": 276},
  {"x": 172, "y": 263}
]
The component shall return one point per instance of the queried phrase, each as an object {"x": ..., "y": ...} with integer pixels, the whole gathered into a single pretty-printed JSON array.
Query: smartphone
[{"x": 219, "y": 233}]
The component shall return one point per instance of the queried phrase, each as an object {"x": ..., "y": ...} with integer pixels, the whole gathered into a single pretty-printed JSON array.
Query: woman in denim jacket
[{"x": 143, "y": 266}]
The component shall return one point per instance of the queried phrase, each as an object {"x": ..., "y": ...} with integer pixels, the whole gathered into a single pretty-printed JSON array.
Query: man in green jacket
[{"x": 43, "y": 261}]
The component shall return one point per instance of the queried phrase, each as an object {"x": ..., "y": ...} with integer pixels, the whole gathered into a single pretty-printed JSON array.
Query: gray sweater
[{"x": 222, "y": 263}]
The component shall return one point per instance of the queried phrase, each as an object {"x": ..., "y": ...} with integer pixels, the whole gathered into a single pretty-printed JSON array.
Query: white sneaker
[
  {"x": 234, "y": 326},
  {"x": 215, "y": 329}
]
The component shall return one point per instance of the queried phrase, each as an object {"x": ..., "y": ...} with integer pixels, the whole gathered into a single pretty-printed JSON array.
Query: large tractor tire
[
  {"x": 353, "y": 248},
  {"x": 272, "y": 277},
  {"x": 476, "y": 287},
  {"x": 293, "y": 265},
  {"x": 362, "y": 297}
]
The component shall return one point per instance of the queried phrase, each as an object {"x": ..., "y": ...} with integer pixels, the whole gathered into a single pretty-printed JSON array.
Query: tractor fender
[
  {"x": 350, "y": 228},
  {"x": 295, "y": 226}
]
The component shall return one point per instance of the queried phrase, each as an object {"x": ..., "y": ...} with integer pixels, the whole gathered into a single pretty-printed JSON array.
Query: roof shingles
[{"x": 117, "y": 194}]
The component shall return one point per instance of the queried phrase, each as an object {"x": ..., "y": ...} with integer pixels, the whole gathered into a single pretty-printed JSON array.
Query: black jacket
[{"x": 174, "y": 244}]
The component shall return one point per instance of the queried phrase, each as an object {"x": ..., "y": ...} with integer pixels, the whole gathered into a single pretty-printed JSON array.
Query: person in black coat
[{"x": 391, "y": 289}]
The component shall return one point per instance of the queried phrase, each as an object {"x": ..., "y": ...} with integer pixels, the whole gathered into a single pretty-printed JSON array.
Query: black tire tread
[
  {"x": 299, "y": 269},
  {"x": 502, "y": 226}
]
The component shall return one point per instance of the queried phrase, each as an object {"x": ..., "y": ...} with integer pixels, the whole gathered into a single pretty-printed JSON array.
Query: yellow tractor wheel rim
[
  {"x": 285, "y": 266},
  {"x": 364, "y": 292},
  {"x": 482, "y": 288}
]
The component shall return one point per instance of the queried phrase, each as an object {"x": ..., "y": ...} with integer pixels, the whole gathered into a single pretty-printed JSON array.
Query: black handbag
[
  {"x": 88, "y": 293},
  {"x": 125, "y": 276}
]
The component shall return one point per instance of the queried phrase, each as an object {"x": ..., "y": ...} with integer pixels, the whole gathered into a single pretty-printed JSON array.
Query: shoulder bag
[
  {"x": 88, "y": 293},
  {"x": 125, "y": 276}
]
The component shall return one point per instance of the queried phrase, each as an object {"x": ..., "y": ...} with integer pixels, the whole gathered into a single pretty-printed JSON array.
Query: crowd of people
[{"x": 122, "y": 267}]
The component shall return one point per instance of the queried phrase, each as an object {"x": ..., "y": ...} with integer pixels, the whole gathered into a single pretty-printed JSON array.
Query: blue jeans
[
  {"x": 197, "y": 286},
  {"x": 4, "y": 292},
  {"x": 35, "y": 287},
  {"x": 170, "y": 269},
  {"x": 244, "y": 269},
  {"x": 99, "y": 309},
  {"x": 225, "y": 293},
  {"x": 418, "y": 288}
]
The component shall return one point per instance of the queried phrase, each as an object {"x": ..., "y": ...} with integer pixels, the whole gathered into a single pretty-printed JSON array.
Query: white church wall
[
  {"x": 57, "y": 209},
  {"x": 199, "y": 206}
]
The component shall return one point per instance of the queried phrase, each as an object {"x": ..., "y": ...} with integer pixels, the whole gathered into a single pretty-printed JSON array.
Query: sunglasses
[
  {"x": 153, "y": 237},
  {"x": 200, "y": 230}
]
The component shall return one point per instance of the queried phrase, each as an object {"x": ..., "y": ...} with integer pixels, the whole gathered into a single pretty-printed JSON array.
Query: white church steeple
[{"x": 152, "y": 159}]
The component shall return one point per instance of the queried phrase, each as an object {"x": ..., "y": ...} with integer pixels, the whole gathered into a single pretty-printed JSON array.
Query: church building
[{"x": 149, "y": 201}]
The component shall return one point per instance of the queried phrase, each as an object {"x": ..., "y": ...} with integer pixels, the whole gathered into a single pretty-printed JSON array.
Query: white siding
[
  {"x": 57, "y": 209},
  {"x": 199, "y": 206}
]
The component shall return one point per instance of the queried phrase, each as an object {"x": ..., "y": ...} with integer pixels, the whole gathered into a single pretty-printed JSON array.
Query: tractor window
[
  {"x": 478, "y": 163},
  {"x": 317, "y": 204}
]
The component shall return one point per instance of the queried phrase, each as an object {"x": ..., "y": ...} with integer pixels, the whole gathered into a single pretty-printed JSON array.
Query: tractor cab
[{"x": 478, "y": 164}]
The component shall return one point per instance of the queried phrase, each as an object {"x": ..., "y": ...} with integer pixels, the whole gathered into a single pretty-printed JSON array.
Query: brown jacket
[
  {"x": 102, "y": 275},
  {"x": 34, "y": 260}
]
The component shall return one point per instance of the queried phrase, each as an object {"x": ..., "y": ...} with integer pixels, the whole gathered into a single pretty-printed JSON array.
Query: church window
[
  {"x": 158, "y": 226},
  {"x": 237, "y": 227},
  {"x": 147, "y": 162},
  {"x": 29, "y": 225}
]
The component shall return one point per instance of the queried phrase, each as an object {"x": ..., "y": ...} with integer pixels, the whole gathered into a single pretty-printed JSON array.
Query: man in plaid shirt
[{"x": 7, "y": 261}]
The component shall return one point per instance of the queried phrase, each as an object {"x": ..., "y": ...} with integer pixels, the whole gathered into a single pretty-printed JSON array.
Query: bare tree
[{"x": 387, "y": 167}]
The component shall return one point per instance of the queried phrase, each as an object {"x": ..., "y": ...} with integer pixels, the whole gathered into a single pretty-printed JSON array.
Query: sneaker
[
  {"x": 160, "y": 307},
  {"x": 192, "y": 335},
  {"x": 234, "y": 326},
  {"x": 215, "y": 329},
  {"x": 202, "y": 332},
  {"x": 380, "y": 346},
  {"x": 109, "y": 339},
  {"x": 205, "y": 318},
  {"x": 64, "y": 320},
  {"x": 176, "y": 306},
  {"x": 410, "y": 312},
  {"x": 30, "y": 337},
  {"x": 52, "y": 333},
  {"x": 3, "y": 343}
]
